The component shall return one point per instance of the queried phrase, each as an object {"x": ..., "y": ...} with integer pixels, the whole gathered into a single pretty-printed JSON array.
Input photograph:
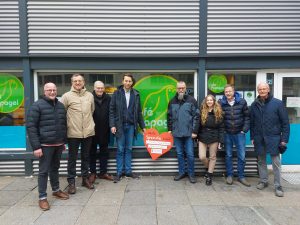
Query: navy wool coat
[{"x": 269, "y": 125}]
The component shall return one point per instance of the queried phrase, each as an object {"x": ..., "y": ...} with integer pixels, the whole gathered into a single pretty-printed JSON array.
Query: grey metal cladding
[
  {"x": 169, "y": 27},
  {"x": 9, "y": 27},
  {"x": 253, "y": 27}
]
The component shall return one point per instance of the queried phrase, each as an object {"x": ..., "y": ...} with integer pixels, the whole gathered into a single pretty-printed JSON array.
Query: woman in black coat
[{"x": 210, "y": 133}]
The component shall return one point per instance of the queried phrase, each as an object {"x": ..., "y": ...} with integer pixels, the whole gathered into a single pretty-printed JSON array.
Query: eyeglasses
[{"x": 51, "y": 90}]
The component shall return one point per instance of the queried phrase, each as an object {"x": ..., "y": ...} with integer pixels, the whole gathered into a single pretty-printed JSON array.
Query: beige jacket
[{"x": 80, "y": 107}]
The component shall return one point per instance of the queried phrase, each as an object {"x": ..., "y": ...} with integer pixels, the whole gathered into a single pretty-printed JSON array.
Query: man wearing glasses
[
  {"x": 47, "y": 132},
  {"x": 79, "y": 104}
]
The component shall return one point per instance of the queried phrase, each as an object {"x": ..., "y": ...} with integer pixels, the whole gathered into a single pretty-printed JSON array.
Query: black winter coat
[
  {"x": 212, "y": 131},
  {"x": 236, "y": 117},
  {"x": 269, "y": 125},
  {"x": 183, "y": 116},
  {"x": 101, "y": 118},
  {"x": 46, "y": 123},
  {"x": 116, "y": 111}
]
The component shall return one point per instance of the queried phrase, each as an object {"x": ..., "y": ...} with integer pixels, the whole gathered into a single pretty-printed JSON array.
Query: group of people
[{"x": 84, "y": 120}]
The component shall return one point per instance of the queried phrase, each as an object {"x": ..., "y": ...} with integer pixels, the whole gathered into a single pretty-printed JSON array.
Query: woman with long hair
[{"x": 210, "y": 133}]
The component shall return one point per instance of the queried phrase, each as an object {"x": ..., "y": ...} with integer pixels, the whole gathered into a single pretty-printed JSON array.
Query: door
[{"x": 287, "y": 88}]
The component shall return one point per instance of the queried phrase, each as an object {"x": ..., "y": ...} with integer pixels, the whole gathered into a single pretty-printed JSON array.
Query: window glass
[{"x": 12, "y": 110}]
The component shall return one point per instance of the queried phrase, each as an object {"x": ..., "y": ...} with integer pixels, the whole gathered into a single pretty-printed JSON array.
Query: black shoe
[
  {"x": 208, "y": 179},
  {"x": 192, "y": 179},
  {"x": 132, "y": 175},
  {"x": 205, "y": 174},
  {"x": 117, "y": 178},
  {"x": 179, "y": 177}
]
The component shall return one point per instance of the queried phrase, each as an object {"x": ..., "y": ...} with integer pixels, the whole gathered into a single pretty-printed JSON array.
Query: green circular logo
[
  {"x": 11, "y": 93},
  {"x": 156, "y": 91},
  {"x": 216, "y": 83}
]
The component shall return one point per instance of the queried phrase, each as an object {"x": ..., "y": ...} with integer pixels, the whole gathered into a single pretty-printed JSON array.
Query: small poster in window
[
  {"x": 292, "y": 102},
  {"x": 241, "y": 93},
  {"x": 249, "y": 96},
  {"x": 219, "y": 97}
]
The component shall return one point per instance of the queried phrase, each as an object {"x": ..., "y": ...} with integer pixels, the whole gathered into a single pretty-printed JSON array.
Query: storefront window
[
  {"x": 156, "y": 89},
  {"x": 12, "y": 113}
]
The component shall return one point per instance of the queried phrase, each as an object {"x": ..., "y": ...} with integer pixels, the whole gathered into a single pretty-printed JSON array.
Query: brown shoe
[
  {"x": 106, "y": 176},
  {"x": 71, "y": 189},
  {"x": 60, "y": 195},
  {"x": 92, "y": 178},
  {"x": 86, "y": 183},
  {"x": 44, "y": 205}
]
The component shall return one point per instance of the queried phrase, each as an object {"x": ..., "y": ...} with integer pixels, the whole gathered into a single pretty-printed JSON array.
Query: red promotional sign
[{"x": 157, "y": 144}]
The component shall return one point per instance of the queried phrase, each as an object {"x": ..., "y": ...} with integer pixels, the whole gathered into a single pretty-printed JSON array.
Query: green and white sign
[
  {"x": 216, "y": 83},
  {"x": 11, "y": 93},
  {"x": 156, "y": 91}
]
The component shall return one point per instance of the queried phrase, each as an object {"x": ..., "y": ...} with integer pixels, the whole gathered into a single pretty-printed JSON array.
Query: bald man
[
  {"x": 102, "y": 131},
  {"x": 47, "y": 132}
]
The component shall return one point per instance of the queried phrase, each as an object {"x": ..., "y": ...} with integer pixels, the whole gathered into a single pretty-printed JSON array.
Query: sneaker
[
  {"x": 179, "y": 177},
  {"x": 60, "y": 195},
  {"x": 192, "y": 179},
  {"x": 261, "y": 185},
  {"x": 117, "y": 178},
  {"x": 244, "y": 182},
  {"x": 279, "y": 192},
  {"x": 44, "y": 205},
  {"x": 132, "y": 175},
  {"x": 229, "y": 180}
]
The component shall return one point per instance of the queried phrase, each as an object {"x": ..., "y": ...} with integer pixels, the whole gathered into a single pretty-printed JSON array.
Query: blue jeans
[
  {"x": 185, "y": 145},
  {"x": 124, "y": 152},
  {"x": 239, "y": 140}
]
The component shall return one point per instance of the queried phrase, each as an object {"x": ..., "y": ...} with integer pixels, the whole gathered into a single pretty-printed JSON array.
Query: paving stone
[
  {"x": 139, "y": 198},
  {"x": 21, "y": 184},
  {"x": 214, "y": 215},
  {"x": 108, "y": 198},
  {"x": 137, "y": 215},
  {"x": 21, "y": 215},
  {"x": 105, "y": 185},
  {"x": 10, "y": 198},
  {"x": 60, "y": 215},
  {"x": 96, "y": 215},
  {"x": 241, "y": 198},
  {"x": 6, "y": 180},
  {"x": 167, "y": 183},
  {"x": 3, "y": 209},
  {"x": 144, "y": 183},
  {"x": 176, "y": 215},
  {"x": 199, "y": 197},
  {"x": 171, "y": 197}
]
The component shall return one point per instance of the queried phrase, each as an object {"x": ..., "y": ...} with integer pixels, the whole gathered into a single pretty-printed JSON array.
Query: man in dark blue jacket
[
  {"x": 269, "y": 130},
  {"x": 47, "y": 132},
  {"x": 236, "y": 121},
  {"x": 183, "y": 123},
  {"x": 125, "y": 114}
]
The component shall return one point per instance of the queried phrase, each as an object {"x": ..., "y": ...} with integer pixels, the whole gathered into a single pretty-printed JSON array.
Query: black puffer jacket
[
  {"x": 46, "y": 123},
  {"x": 236, "y": 117},
  {"x": 212, "y": 131}
]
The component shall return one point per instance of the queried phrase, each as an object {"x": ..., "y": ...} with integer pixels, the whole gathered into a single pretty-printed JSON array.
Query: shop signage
[
  {"x": 216, "y": 83},
  {"x": 156, "y": 91},
  {"x": 157, "y": 144},
  {"x": 11, "y": 93}
]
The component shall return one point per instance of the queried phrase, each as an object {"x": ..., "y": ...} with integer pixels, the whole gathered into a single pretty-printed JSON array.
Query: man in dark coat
[
  {"x": 269, "y": 129},
  {"x": 125, "y": 115},
  {"x": 183, "y": 123},
  {"x": 47, "y": 132},
  {"x": 101, "y": 138},
  {"x": 236, "y": 122}
]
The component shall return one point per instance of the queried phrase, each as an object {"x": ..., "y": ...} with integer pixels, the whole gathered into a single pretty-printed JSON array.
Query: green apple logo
[
  {"x": 156, "y": 91},
  {"x": 11, "y": 93},
  {"x": 216, "y": 83}
]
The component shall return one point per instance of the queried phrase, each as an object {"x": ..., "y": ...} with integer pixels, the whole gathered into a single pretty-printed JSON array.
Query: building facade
[{"x": 206, "y": 43}]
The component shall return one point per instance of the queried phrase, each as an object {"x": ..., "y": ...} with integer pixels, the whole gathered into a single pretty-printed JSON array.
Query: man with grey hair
[
  {"x": 183, "y": 123},
  {"x": 269, "y": 132},
  {"x": 102, "y": 131},
  {"x": 80, "y": 106},
  {"x": 47, "y": 133}
]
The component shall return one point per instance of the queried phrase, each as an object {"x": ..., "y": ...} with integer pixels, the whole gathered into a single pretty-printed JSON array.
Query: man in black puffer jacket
[
  {"x": 237, "y": 124},
  {"x": 47, "y": 130}
]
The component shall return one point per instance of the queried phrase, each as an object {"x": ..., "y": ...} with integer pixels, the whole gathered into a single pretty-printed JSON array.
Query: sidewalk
[{"x": 150, "y": 200}]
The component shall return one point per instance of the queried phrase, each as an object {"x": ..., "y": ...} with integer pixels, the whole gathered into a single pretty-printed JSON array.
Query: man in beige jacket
[{"x": 79, "y": 104}]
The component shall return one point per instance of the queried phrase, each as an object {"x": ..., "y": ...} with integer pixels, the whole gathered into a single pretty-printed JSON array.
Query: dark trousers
[
  {"x": 49, "y": 163},
  {"x": 74, "y": 143},
  {"x": 103, "y": 156}
]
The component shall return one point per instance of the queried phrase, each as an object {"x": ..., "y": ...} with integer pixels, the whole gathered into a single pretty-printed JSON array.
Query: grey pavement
[{"x": 150, "y": 200}]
